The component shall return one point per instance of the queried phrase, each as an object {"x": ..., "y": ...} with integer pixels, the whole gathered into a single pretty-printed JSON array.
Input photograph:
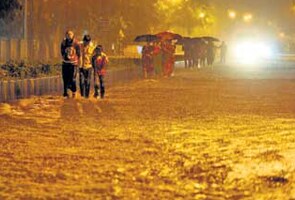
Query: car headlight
[{"x": 249, "y": 52}]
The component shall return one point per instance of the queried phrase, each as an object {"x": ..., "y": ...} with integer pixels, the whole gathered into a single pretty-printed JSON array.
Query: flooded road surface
[{"x": 220, "y": 134}]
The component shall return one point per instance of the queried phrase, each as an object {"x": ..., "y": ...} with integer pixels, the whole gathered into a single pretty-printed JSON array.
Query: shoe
[
  {"x": 65, "y": 96},
  {"x": 95, "y": 96}
]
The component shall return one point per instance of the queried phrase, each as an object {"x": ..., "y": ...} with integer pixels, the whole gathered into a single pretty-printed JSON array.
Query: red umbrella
[{"x": 166, "y": 35}]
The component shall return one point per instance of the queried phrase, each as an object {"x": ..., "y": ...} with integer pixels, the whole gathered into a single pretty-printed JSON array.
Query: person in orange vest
[
  {"x": 99, "y": 62},
  {"x": 86, "y": 66},
  {"x": 157, "y": 59},
  {"x": 168, "y": 57},
  {"x": 70, "y": 51}
]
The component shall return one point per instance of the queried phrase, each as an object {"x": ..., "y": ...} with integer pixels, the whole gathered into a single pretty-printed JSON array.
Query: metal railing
[{"x": 14, "y": 89}]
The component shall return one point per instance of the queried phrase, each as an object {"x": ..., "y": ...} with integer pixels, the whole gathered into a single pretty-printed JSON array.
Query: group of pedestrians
[
  {"x": 83, "y": 59},
  {"x": 158, "y": 58},
  {"x": 200, "y": 53}
]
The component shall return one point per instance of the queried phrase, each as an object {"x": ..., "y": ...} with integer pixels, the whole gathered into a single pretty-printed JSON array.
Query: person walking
[
  {"x": 147, "y": 60},
  {"x": 85, "y": 69},
  {"x": 99, "y": 62},
  {"x": 188, "y": 54},
  {"x": 70, "y": 51},
  {"x": 157, "y": 59},
  {"x": 168, "y": 57},
  {"x": 210, "y": 54},
  {"x": 223, "y": 51}
]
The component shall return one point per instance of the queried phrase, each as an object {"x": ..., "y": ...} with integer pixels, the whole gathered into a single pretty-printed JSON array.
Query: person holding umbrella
[
  {"x": 223, "y": 51},
  {"x": 157, "y": 58},
  {"x": 168, "y": 50},
  {"x": 210, "y": 49},
  {"x": 147, "y": 60},
  {"x": 210, "y": 53},
  {"x": 147, "y": 53},
  {"x": 168, "y": 57}
]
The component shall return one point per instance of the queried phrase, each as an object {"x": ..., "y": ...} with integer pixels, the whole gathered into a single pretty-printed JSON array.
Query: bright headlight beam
[{"x": 249, "y": 52}]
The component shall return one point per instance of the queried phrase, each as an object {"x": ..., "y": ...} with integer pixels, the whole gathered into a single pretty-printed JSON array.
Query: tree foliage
[
  {"x": 8, "y": 8},
  {"x": 112, "y": 18},
  {"x": 184, "y": 15},
  {"x": 114, "y": 21}
]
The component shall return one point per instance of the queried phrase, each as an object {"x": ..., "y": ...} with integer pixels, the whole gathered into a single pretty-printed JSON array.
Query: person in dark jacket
[
  {"x": 70, "y": 51},
  {"x": 223, "y": 51},
  {"x": 210, "y": 54},
  {"x": 188, "y": 54}
]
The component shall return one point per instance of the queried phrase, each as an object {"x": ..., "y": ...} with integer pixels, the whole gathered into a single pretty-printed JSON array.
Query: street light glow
[
  {"x": 202, "y": 15},
  {"x": 176, "y": 1},
  {"x": 282, "y": 35},
  {"x": 232, "y": 14},
  {"x": 248, "y": 17}
]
